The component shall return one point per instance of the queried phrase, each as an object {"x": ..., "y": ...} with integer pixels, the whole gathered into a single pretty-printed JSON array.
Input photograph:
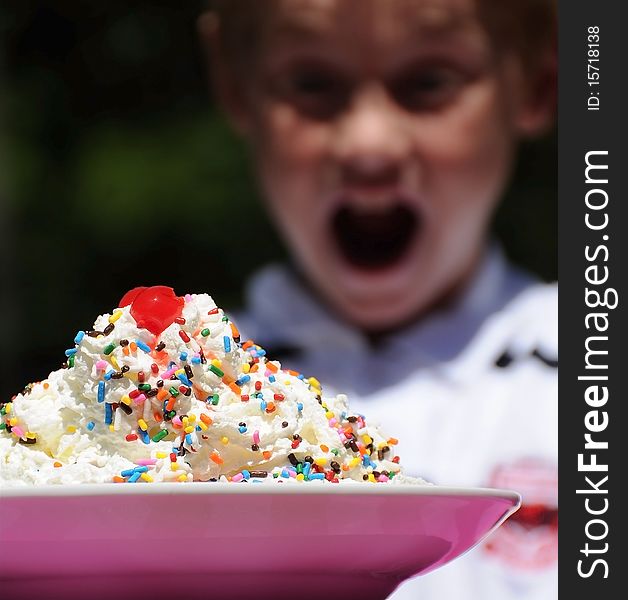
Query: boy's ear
[
  {"x": 227, "y": 87},
  {"x": 537, "y": 112}
]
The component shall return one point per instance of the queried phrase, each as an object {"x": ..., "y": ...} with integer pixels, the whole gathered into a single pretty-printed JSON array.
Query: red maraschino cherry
[{"x": 153, "y": 308}]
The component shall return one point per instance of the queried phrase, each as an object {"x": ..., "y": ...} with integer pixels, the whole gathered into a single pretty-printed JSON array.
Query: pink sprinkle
[
  {"x": 333, "y": 421},
  {"x": 176, "y": 420},
  {"x": 146, "y": 462},
  {"x": 342, "y": 436},
  {"x": 256, "y": 437},
  {"x": 188, "y": 298},
  {"x": 268, "y": 373},
  {"x": 293, "y": 474},
  {"x": 139, "y": 399},
  {"x": 17, "y": 431},
  {"x": 101, "y": 365},
  {"x": 237, "y": 477},
  {"x": 169, "y": 373},
  {"x": 382, "y": 478}
]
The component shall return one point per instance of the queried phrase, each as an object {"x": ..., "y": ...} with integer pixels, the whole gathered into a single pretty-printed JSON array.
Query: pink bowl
[{"x": 215, "y": 541}]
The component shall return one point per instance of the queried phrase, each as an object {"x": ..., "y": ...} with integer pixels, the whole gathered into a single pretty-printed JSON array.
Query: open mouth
[{"x": 374, "y": 239}]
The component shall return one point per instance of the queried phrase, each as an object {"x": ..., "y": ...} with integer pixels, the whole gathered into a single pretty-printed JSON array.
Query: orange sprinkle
[
  {"x": 247, "y": 344},
  {"x": 206, "y": 419},
  {"x": 227, "y": 379},
  {"x": 177, "y": 425},
  {"x": 267, "y": 454},
  {"x": 235, "y": 388},
  {"x": 324, "y": 448},
  {"x": 345, "y": 468},
  {"x": 270, "y": 407},
  {"x": 216, "y": 458},
  {"x": 162, "y": 394},
  {"x": 158, "y": 416},
  {"x": 133, "y": 346},
  {"x": 125, "y": 351},
  {"x": 393, "y": 441},
  {"x": 291, "y": 372},
  {"x": 46, "y": 385},
  {"x": 170, "y": 404},
  {"x": 234, "y": 331},
  {"x": 57, "y": 464},
  {"x": 272, "y": 367},
  {"x": 254, "y": 368},
  {"x": 118, "y": 479}
]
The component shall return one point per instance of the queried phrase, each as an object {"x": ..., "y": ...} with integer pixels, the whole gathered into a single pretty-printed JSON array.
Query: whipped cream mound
[{"x": 190, "y": 403}]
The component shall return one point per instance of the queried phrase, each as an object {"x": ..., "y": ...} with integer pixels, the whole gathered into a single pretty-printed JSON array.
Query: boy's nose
[{"x": 370, "y": 144}]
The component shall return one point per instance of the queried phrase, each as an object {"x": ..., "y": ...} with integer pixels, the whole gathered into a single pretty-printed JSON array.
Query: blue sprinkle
[
  {"x": 242, "y": 429},
  {"x": 71, "y": 352},
  {"x": 108, "y": 414},
  {"x": 127, "y": 472},
  {"x": 306, "y": 469},
  {"x": 198, "y": 428},
  {"x": 144, "y": 435},
  {"x": 140, "y": 469},
  {"x": 246, "y": 474},
  {"x": 109, "y": 374},
  {"x": 188, "y": 438},
  {"x": 79, "y": 337},
  {"x": 263, "y": 404},
  {"x": 300, "y": 376},
  {"x": 101, "y": 391},
  {"x": 91, "y": 425},
  {"x": 196, "y": 360},
  {"x": 142, "y": 346},
  {"x": 244, "y": 379},
  {"x": 317, "y": 476},
  {"x": 285, "y": 474},
  {"x": 183, "y": 356},
  {"x": 366, "y": 461},
  {"x": 183, "y": 379},
  {"x": 227, "y": 343},
  {"x": 299, "y": 406},
  {"x": 272, "y": 379},
  {"x": 134, "y": 477}
]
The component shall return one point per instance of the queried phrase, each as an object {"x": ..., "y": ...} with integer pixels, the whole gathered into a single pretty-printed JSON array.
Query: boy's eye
[
  {"x": 427, "y": 88},
  {"x": 316, "y": 92}
]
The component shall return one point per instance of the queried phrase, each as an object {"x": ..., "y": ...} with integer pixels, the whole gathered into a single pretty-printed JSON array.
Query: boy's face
[{"x": 383, "y": 133}]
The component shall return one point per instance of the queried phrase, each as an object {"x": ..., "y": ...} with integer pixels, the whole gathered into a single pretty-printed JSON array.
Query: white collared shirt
[{"x": 471, "y": 394}]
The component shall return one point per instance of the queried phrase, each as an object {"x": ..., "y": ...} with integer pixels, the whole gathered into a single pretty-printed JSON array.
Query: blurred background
[{"x": 116, "y": 170}]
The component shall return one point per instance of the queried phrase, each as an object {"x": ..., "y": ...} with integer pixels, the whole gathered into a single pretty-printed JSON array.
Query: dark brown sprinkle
[
  {"x": 205, "y": 437},
  {"x": 27, "y": 389},
  {"x": 126, "y": 408},
  {"x": 335, "y": 467},
  {"x": 284, "y": 424},
  {"x": 95, "y": 333},
  {"x": 188, "y": 371},
  {"x": 167, "y": 416},
  {"x": 365, "y": 477},
  {"x": 254, "y": 447},
  {"x": 308, "y": 459},
  {"x": 380, "y": 455},
  {"x": 152, "y": 392},
  {"x": 296, "y": 436},
  {"x": 117, "y": 375},
  {"x": 188, "y": 391},
  {"x": 259, "y": 474},
  {"x": 159, "y": 347},
  {"x": 160, "y": 383},
  {"x": 386, "y": 449},
  {"x": 241, "y": 424},
  {"x": 181, "y": 451},
  {"x": 28, "y": 441},
  {"x": 352, "y": 419},
  {"x": 9, "y": 428},
  {"x": 107, "y": 330},
  {"x": 64, "y": 365},
  {"x": 293, "y": 459},
  {"x": 125, "y": 368},
  {"x": 376, "y": 474},
  {"x": 174, "y": 378},
  {"x": 347, "y": 444},
  {"x": 203, "y": 359},
  {"x": 354, "y": 446}
]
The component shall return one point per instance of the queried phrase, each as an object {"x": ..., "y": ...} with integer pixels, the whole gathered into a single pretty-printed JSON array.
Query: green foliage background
[{"x": 118, "y": 171}]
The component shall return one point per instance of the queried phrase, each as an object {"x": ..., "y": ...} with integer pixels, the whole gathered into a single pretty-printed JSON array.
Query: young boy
[{"x": 383, "y": 133}]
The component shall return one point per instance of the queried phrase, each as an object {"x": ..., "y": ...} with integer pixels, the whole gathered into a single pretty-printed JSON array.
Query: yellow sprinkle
[
  {"x": 191, "y": 418},
  {"x": 224, "y": 440},
  {"x": 300, "y": 477},
  {"x": 179, "y": 372},
  {"x": 367, "y": 439},
  {"x": 142, "y": 424},
  {"x": 287, "y": 382},
  {"x": 71, "y": 429},
  {"x": 7, "y": 407},
  {"x": 371, "y": 477},
  {"x": 126, "y": 399},
  {"x": 185, "y": 421},
  {"x": 314, "y": 382},
  {"x": 217, "y": 362},
  {"x": 354, "y": 463},
  {"x": 329, "y": 414},
  {"x": 174, "y": 467},
  {"x": 182, "y": 477},
  {"x": 160, "y": 455},
  {"x": 324, "y": 405},
  {"x": 114, "y": 362},
  {"x": 112, "y": 428},
  {"x": 246, "y": 367},
  {"x": 189, "y": 429},
  {"x": 146, "y": 477},
  {"x": 202, "y": 425},
  {"x": 115, "y": 316},
  {"x": 321, "y": 462},
  {"x": 13, "y": 421}
]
